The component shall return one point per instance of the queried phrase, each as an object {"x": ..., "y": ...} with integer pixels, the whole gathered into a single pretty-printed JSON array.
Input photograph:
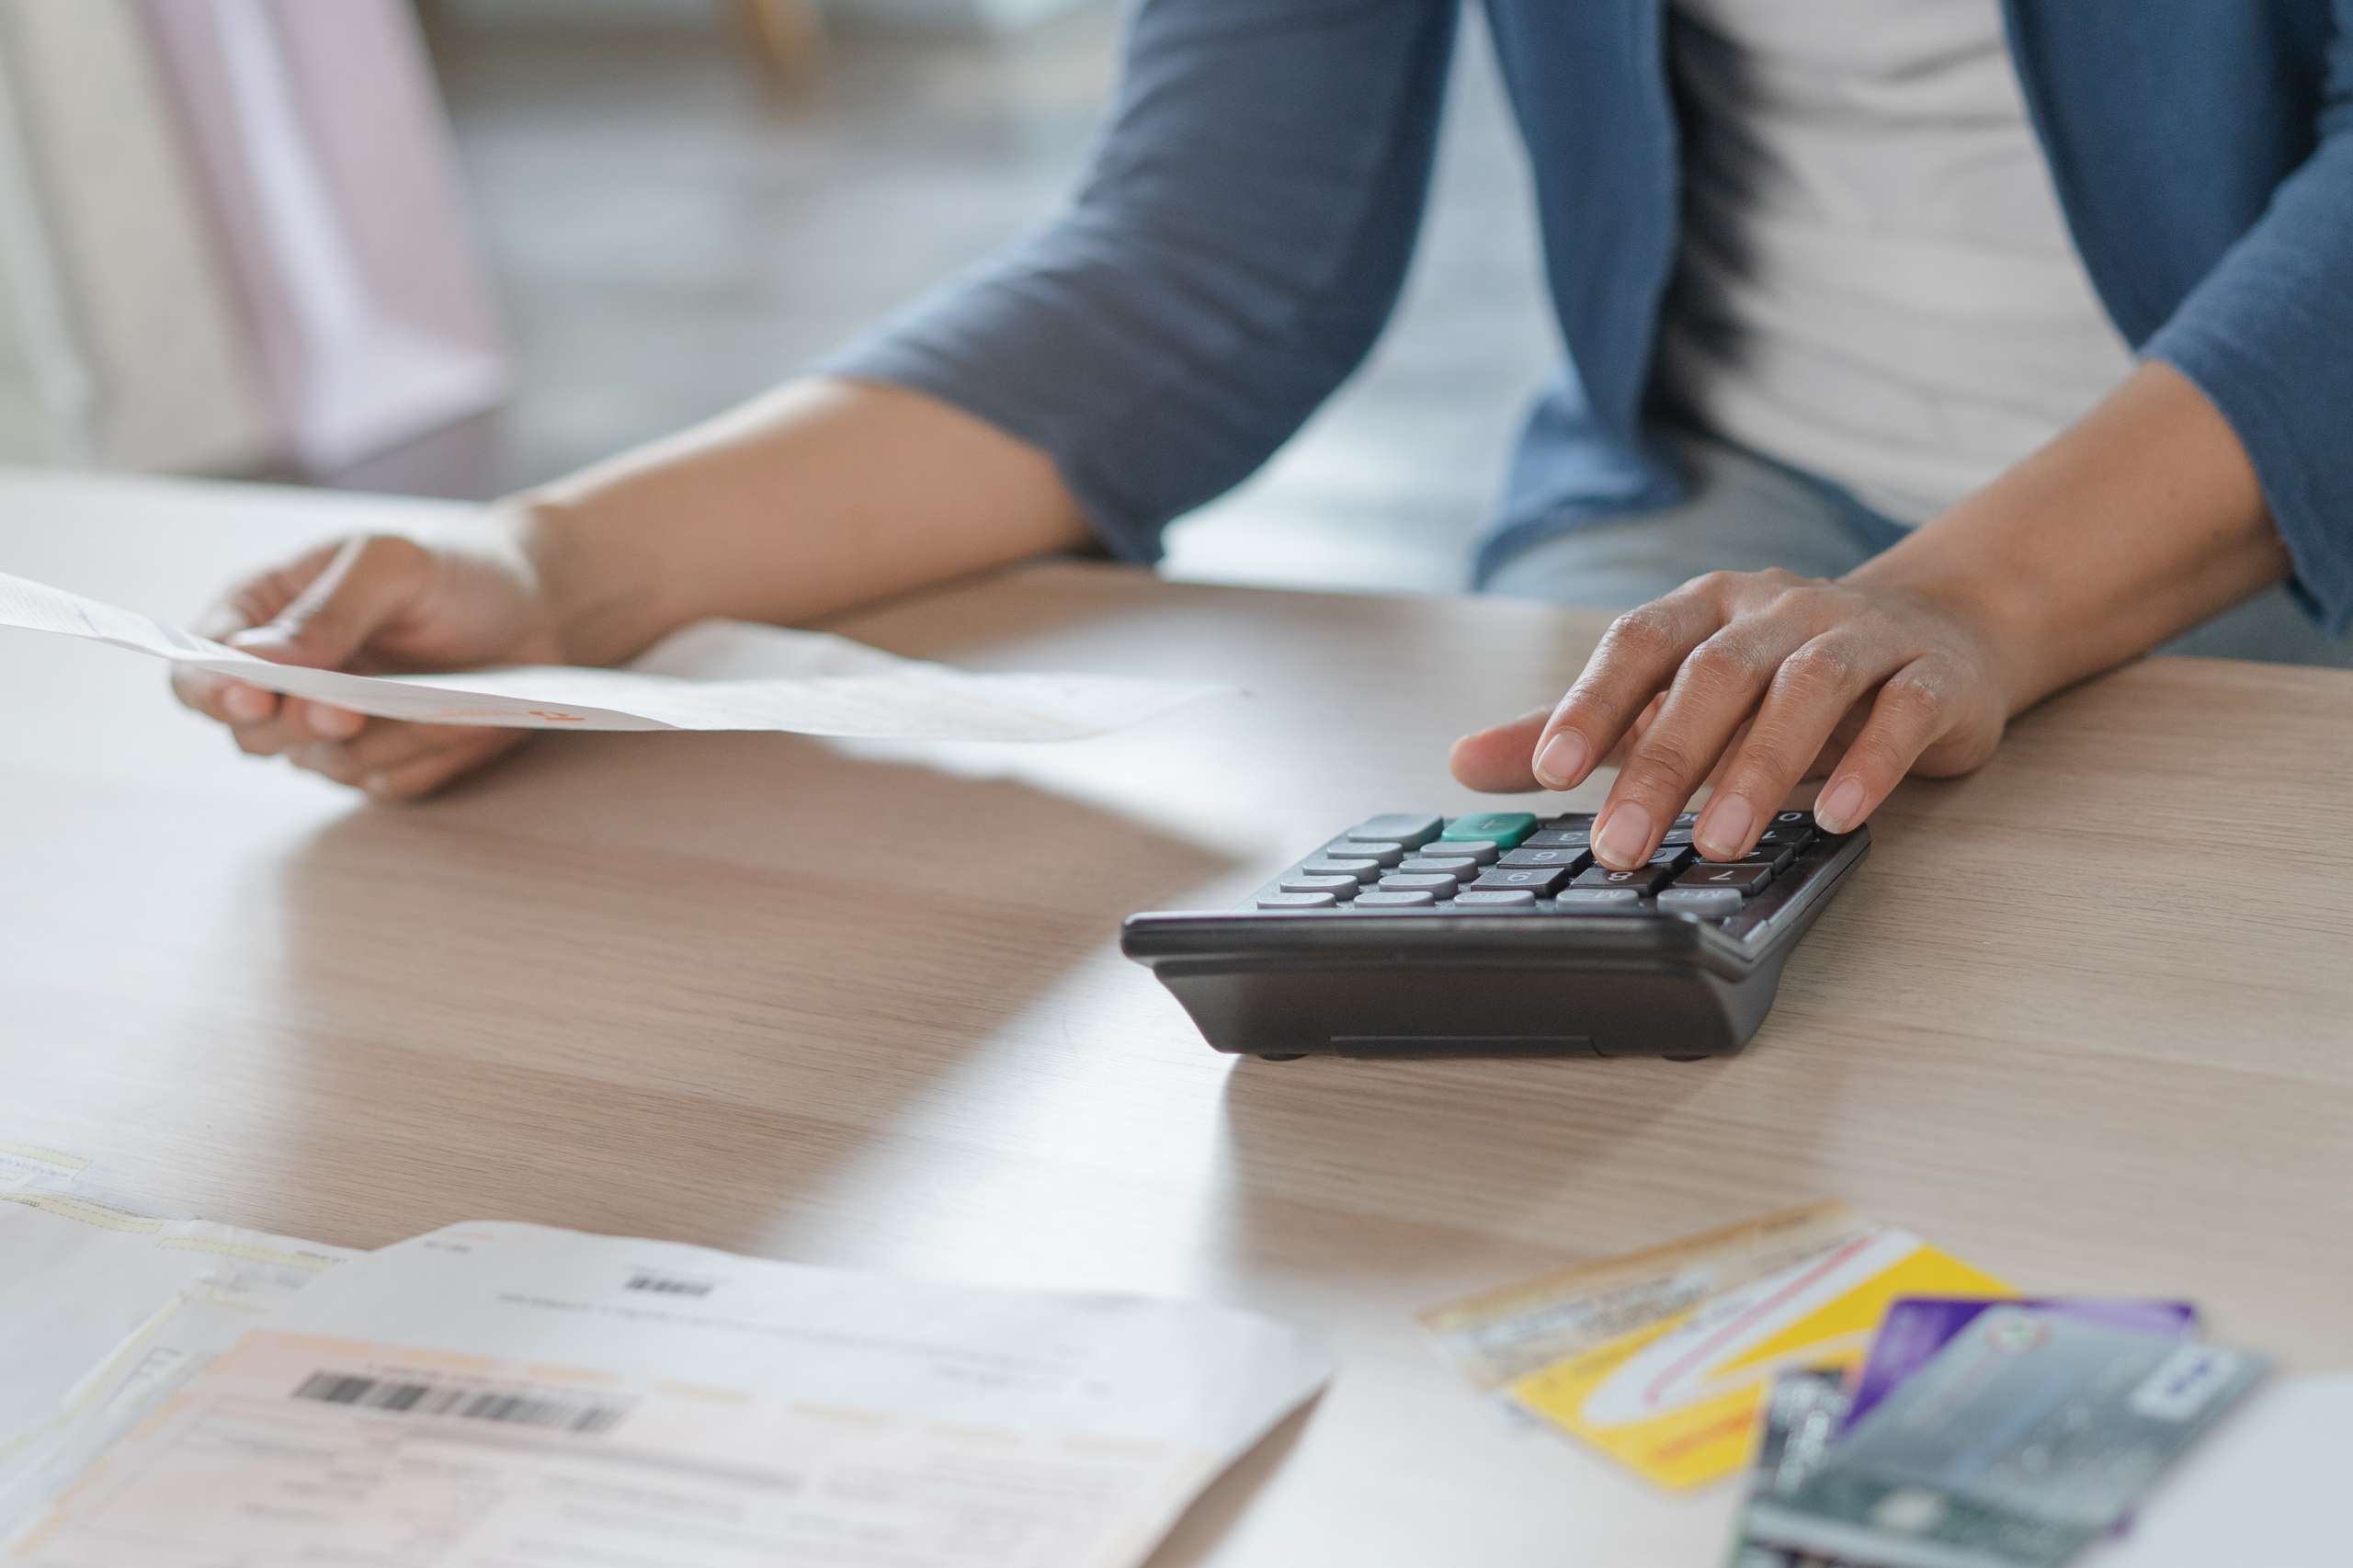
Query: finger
[
  {"x": 425, "y": 774},
  {"x": 1714, "y": 691},
  {"x": 324, "y": 720},
  {"x": 232, "y": 702},
  {"x": 382, "y": 748},
  {"x": 1495, "y": 760},
  {"x": 1500, "y": 760},
  {"x": 1638, "y": 656},
  {"x": 248, "y": 604},
  {"x": 1911, "y": 712},
  {"x": 370, "y": 582},
  {"x": 1813, "y": 690}
]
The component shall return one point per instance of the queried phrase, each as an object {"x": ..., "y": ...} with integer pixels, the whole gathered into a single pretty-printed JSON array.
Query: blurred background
[{"x": 455, "y": 247}]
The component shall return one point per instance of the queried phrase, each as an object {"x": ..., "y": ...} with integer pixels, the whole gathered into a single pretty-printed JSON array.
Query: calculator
[{"x": 1497, "y": 935}]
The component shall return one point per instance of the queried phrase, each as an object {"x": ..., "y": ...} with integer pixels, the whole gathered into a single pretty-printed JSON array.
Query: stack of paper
[{"x": 175, "y": 1393}]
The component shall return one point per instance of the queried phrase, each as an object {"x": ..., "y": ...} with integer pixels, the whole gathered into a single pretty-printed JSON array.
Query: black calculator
[{"x": 1497, "y": 935}]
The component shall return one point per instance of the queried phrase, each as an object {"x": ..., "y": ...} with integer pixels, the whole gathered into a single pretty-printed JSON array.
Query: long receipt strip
[
  {"x": 505, "y": 1393},
  {"x": 806, "y": 682}
]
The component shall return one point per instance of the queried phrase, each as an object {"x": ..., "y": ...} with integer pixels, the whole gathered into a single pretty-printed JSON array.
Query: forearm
[
  {"x": 2141, "y": 521},
  {"x": 817, "y": 497}
]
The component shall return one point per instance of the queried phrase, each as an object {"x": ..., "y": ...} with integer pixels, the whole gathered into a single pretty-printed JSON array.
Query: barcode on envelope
[{"x": 398, "y": 1397}]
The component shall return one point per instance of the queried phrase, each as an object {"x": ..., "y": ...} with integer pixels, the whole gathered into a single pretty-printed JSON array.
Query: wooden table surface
[{"x": 2086, "y": 1020}]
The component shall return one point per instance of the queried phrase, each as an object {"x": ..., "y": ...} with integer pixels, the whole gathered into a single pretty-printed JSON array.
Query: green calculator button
[{"x": 1505, "y": 828}]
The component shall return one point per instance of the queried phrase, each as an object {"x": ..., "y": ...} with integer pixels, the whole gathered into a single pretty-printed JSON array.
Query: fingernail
[
  {"x": 1724, "y": 827},
  {"x": 336, "y": 724},
  {"x": 377, "y": 783},
  {"x": 245, "y": 703},
  {"x": 1563, "y": 758},
  {"x": 1837, "y": 810},
  {"x": 1624, "y": 837}
]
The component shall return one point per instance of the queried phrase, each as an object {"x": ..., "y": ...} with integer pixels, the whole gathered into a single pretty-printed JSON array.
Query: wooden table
[{"x": 2086, "y": 1020}]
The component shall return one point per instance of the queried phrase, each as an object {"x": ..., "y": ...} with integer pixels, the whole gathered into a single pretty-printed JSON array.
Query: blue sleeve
[
  {"x": 2268, "y": 337},
  {"x": 1230, "y": 256}
]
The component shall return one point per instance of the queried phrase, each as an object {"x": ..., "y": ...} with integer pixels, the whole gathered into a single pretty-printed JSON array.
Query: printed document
[
  {"x": 105, "y": 1311},
  {"x": 803, "y": 682},
  {"x": 499, "y": 1393}
]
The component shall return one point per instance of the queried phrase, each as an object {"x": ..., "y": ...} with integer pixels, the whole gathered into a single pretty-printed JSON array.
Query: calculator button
[
  {"x": 1539, "y": 880},
  {"x": 1435, "y": 886},
  {"x": 1502, "y": 828},
  {"x": 1445, "y": 866},
  {"x": 1688, "y": 819},
  {"x": 1546, "y": 855},
  {"x": 1772, "y": 857},
  {"x": 1297, "y": 900},
  {"x": 1638, "y": 881},
  {"x": 1338, "y": 887},
  {"x": 1793, "y": 834},
  {"x": 1568, "y": 821},
  {"x": 1495, "y": 898},
  {"x": 1672, "y": 856},
  {"x": 1395, "y": 900},
  {"x": 1482, "y": 850},
  {"x": 1710, "y": 901},
  {"x": 1333, "y": 866},
  {"x": 1559, "y": 838},
  {"x": 1674, "y": 836},
  {"x": 1380, "y": 853},
  {"x": 1604, "y": 900},
  {"x": 1739, "y": 875},
  {"x": 1399, "y": 827}
]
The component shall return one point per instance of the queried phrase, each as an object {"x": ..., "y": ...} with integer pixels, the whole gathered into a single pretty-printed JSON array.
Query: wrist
[
  {"x": 1991, "y": 604},
  {"x": 603, "y": 590}
]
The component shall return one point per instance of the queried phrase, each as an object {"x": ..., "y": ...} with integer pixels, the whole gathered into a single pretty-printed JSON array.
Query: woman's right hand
[{"x": 375, "y": 604}]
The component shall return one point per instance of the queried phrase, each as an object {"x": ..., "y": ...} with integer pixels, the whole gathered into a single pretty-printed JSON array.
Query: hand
[
  {"x": 1750, "y": 683},
  {"x": 374, "y": 603}
]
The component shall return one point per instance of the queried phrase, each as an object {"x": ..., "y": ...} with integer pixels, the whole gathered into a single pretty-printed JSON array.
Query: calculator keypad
[{"x": 1516, "y": 863}]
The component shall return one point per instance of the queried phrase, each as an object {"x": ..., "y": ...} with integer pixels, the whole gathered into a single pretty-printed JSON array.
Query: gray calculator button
[
  {"x": 1297, "y": 900},
  {"x": 1460, "y": 869},
  {"x": 1378, "y": 851},
  {"x": 1496, "y": 898},
  {"x": 1333, "y": 866},
  {"x": 1558, "y": 838},
  {"x": 1675, "y": 835},
  {"x": 1398, "y": 827},
  {"x": 1338, "y": 887},
  {"x": 1399, "y": 883},
  {"x": 1568, "y": 855},
  {"x": 1395, "y": 900},
  {"x": 1607, "y": 901},
  {"x": 1482, "y": 850},
  {"x": 1710, "y": 901}
]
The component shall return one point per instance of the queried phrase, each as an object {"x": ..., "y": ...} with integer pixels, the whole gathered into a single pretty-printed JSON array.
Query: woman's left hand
[{"x": 1752, "y": 682}]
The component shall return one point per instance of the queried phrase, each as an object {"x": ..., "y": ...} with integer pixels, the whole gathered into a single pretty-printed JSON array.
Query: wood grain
[{"x": 2086, "y": 1020}]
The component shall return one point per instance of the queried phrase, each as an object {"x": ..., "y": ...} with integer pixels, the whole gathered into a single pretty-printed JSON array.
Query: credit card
[
  {"x": 2021, "y": 1443},
  {"x": 1501, "y": 1336},
  {"x": 1801, "y": 1417},
  {"x": 1916, "y": 1327}
]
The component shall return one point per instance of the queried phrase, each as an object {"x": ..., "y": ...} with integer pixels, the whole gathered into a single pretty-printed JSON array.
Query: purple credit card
[{"x": 1916, "y": 1327}]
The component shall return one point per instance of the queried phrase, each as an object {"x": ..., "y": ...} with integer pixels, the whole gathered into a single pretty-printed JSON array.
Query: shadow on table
[
  {"x": 661, "y": 985},
  {"x": 1389, "y": 1171}
]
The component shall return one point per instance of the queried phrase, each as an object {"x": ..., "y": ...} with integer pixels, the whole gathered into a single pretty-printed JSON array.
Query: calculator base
[{"x": 1399, "y": 1012}]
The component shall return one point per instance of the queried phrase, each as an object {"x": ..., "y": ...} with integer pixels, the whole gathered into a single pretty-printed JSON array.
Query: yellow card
[{"x": 1676, "y": 1401}]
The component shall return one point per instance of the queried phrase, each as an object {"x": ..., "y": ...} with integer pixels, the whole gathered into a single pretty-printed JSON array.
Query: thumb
[{"x": 370, "y": 580}]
